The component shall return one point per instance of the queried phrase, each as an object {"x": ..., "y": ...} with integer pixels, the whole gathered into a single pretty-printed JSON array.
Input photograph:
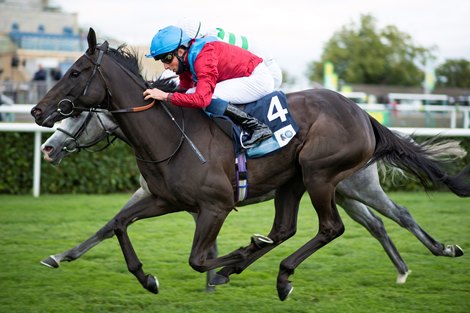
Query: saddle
[{"x": 273, "y": 111}]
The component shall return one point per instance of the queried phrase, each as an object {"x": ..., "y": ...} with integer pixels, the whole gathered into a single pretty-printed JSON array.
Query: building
[{"x": 35, "y": 33}]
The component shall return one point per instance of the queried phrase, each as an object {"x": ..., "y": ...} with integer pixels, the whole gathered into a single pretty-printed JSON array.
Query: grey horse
[{"x": 354, "y": 194}]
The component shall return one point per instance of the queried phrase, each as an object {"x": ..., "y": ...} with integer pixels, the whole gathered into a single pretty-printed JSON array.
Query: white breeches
[
  {"x": 276, "y": 72},
  {"x": 246, "y": 89}
]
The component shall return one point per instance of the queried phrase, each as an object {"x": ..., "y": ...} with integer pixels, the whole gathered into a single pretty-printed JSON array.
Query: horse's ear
[
  {"x": 91, "y": 38},
  {"x": 104, "y": 46}
]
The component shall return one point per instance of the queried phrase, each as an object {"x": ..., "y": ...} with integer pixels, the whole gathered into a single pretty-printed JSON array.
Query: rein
[{"x": 135, "y": 109}]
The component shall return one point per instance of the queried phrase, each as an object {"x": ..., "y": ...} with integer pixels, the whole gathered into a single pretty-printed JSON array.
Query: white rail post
[
  {"x": 466, "y": 118},
  {"x": 37, "y": 164},
  {"x": 453, "y": 118}
]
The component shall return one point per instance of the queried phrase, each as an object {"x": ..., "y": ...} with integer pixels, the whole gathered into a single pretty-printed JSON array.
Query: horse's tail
[
  {"x": 419, "y": 160},
  {"x": 444, "y": 150}
]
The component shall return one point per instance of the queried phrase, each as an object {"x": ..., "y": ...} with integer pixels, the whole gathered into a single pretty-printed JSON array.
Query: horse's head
[
  {"x": 80, "y": 132},
  {"x": 81, "y": 88}
]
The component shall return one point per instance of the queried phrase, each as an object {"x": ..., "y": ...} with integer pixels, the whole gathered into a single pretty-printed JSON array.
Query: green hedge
[{"x": 113, "y": 170}]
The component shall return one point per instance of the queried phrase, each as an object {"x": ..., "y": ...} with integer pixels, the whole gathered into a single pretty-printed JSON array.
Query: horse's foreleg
[
  {"x": 76, "y": 252},
  {"x": 361, "y": 214},
  {"x": 104, "y": 233},
  {"x": 286, "y": 202},
  {"x": 145, "y": 208},
  {"x": 212, "y": 254},
  {"x": 208, "y": 224}
]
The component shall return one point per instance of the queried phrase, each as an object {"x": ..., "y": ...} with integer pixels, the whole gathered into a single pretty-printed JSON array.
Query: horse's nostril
[
  {"x": 48, "y": 149},
  {"x": 35, "y": 112}
]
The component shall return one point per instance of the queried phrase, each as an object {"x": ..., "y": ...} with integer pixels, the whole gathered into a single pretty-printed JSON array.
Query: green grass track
[{"x": 352, "y": 274}]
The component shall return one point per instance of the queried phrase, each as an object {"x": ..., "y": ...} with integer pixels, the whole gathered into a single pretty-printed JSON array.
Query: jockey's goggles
[{"x": 165, "y": 58}]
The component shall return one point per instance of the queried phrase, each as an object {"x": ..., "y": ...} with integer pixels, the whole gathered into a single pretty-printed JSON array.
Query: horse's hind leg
[
  {"x": 361, "y": 214},
  {"x": 372, "y": 194},
  {"x": 286, "y": 202},
  {"x": 402, "y": 217}
]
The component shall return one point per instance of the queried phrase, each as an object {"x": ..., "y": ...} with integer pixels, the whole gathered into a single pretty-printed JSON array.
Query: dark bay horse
[
  {"x": 354, "y": 194},
  {"x": 336, "y": 138}
]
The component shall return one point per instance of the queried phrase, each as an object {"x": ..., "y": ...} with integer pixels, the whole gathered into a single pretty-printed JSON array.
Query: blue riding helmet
[{"x": 167, "y": 40}]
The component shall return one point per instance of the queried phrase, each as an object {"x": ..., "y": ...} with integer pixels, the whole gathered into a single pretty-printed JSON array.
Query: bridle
[
  {"x": 72, "y": 144},
  {"x": 67, "y": 107},
  {"x": 67, "y": 111}
]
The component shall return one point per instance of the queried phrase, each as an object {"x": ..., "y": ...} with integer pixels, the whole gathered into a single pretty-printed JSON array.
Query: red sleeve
[
  {"x": 186, "y": 80},
  {"x": 206, "y": 68}
]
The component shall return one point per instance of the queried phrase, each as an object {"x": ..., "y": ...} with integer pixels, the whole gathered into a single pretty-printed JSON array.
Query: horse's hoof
[
  {"x": 401, "y": 278},
  {"x": 284, "y": 292},
  {"x": 152, "y": 284},
  {"x": 457, "y": 251},
  {"x": 261, "y": 241},
  {"x": 218, "y": 280},
  {"x": 51, "y": 262},
  {"x": 210, "y": 288}
]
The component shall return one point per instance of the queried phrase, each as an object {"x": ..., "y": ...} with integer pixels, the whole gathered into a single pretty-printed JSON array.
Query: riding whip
[{"x": 192, "y": 145}]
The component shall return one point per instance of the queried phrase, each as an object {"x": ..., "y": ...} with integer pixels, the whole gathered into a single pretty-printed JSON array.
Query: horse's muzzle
[
  {"x": 36, "y": 112},
  {"x": 42, "y": 120}
]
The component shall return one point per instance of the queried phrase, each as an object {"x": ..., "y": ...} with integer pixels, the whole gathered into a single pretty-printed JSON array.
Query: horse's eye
[{"x": 75, "y": 74}]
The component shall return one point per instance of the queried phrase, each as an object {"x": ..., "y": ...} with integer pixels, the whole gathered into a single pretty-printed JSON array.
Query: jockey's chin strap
[{"x": 181, "y": 65}]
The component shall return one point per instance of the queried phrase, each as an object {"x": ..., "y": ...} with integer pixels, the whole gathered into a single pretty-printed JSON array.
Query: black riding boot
[{"x": 258, "y": 130}]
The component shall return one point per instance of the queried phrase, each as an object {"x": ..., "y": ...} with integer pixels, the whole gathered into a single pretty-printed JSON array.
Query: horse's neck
[
  {"x": 131, "y": 125},
  {"x": 149, "y": 132}
]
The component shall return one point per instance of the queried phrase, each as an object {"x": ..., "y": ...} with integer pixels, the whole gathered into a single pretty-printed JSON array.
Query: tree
[
  {"x": 365, "y": 55},
  {"x": 454, "y": 73}
]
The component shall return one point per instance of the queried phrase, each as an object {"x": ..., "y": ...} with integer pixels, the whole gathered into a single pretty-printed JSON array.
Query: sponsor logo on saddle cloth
[{"x": 273, "y": 111}]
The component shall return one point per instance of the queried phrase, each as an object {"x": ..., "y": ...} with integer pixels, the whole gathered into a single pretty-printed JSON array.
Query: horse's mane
[
  {"x": 130, "y": 59},
  {"x": 127, "y": 58}
]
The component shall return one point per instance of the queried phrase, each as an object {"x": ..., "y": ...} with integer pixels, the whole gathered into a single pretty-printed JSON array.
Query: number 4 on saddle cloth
[{"x": 271, "y": 110}]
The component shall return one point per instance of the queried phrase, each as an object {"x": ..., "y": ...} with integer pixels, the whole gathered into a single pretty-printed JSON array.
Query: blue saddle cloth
[{"x": 273, "y": 111}]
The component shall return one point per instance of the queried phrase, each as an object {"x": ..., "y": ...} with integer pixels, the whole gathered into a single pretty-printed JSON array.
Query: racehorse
[
  {"x": 354, "y": 194},
  {"x": 336, "y": 138}
]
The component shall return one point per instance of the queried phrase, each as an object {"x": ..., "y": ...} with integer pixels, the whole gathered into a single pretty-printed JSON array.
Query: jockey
[
  {"x": 217, "y": 74},
  {"x": 195, "y": 29}
]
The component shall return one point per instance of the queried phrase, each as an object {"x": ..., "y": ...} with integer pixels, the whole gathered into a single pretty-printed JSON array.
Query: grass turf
[{"x": 352, "y": 274}]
